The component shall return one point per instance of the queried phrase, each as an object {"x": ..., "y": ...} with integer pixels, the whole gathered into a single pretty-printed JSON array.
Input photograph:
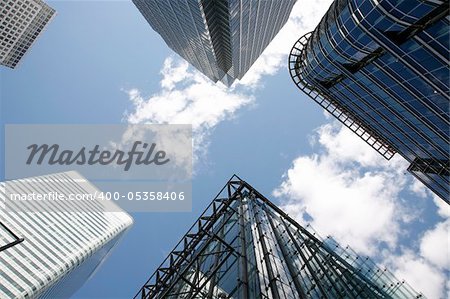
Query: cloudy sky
[{"x": 99, "y": 62}]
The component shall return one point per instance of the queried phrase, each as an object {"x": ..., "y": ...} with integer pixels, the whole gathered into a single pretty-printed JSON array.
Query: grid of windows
[
  {"x": 222, "y": 39},
  {"x": 386, "y": 65},
  {"x": 243, "y": 246},
  {"x": 61, "y": 249},
  {"x": 21, "y": 22}
]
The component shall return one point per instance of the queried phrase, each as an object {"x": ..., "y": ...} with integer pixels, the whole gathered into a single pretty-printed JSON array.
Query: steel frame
[
  {"x": 17, "y": 240},
  {"x": 356, "y": 275}
]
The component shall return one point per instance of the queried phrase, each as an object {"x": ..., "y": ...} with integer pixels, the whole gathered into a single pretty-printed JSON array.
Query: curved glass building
[
  {"x": 381, "y": 67},
  {"x": 245, "y": 247}
]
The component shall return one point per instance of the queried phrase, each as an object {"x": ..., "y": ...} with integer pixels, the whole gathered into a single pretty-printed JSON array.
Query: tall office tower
[
  {"x": 21, "y": 22},
  {"x": 51, "y": 252},
  {"x": 382, "y": 69},
  {"x": 243, "y": 246},
  {"x": 222, "y": 39}
]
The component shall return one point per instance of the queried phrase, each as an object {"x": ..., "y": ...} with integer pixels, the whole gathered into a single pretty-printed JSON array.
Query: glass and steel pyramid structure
[{"x": 244, "y": 246}]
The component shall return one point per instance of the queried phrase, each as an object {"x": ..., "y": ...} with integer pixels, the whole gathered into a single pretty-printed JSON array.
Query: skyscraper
[
  {"x": 243, "y": 246},
  {"x": 52, "y": 251},
  {"x": 222, "y": 39},
  {"x": 21, "y": 22},
  {"x": 382, "y": 69}
]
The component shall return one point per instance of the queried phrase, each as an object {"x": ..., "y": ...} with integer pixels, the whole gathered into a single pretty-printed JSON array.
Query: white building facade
[{"x": 57, "y": 250}]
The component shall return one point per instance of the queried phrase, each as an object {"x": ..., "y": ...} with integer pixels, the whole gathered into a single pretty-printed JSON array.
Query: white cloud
[
  {"x": 435, "y": 245},
  {"x": 419, "y": 274},
  {"x": 190, "y": 100},
  {"x": 187, "y": 97},
  {"x": 341, "y": 195},
  {"x": 443, "y": 208},
  {"x": 350, "y": 192},
  {"x": 418, "y": 188},
  {"x": 343, "y": 146},
  {"x": 428, "y": 269}
]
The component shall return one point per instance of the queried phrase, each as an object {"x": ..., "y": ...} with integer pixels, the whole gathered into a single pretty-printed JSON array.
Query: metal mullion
[
  {"x": 192, "y": 258},
  {"x": 305, "y": 260},
  {"x": 353, "y": 116},
  {"x": 243, "y": 273},
  {"x": 223, "y": 206},
  {"x": 315, "y": 254},
  {"x": 357, "y": 83},
  {"x": 186, "y": 280},
  {"x": 253, "y": 263},
  {"x": 218, "y": 266},
  {"x": 343, "y": 270},
  {"x": 360, "y": 288},
  {"x": 265, "y": 41},
  {"x": 314, "y": 258},
  {"x": 193, "y": 53},
  {"x": 348, "y": 265},
  {"x": 180, "y": 274},
  {"x": 394, "y": 49},
  {"x": 410, "y": 109},
  {"x": 388, "y": 121},
  {"x": 166, "y": 292},
  {"x": 337, "y": 66},
  {"x": 432, "y": 50},
  {"x": 287, "y": 258},
  {"x": 349, "y": 75},
  {"x": 11, "y": 244},
  {"x": 266, "y": 253},
  {"x": 406, "y": 85},
  {"x": 216, "y": 261},
  {"x": 287, "y": 218},
  {"x": 320, "y": 254},
  {"x": 258, "y": 11}
]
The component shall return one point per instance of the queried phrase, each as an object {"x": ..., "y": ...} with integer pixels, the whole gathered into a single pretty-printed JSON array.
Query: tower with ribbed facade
[
  {"x": 48, "y": 250},
  {"x": 222, "y": 39},
  {"x": 243, "y": 246},
  {"x": 382, "y": 68}
]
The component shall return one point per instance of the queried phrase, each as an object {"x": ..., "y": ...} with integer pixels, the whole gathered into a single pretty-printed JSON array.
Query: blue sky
[{"x": 99, "y": 62}]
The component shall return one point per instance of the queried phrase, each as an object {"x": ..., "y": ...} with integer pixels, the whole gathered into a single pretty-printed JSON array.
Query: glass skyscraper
[
  {"x": 222, "y": 39},
  {"x": 51, "y": 253},
  {"x": 243, "y": 246},
  {"x": 382, "y": 69},
  {"x": 21, "y": 22}
]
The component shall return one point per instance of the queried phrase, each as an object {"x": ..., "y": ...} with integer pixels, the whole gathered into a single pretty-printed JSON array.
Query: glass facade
[
  {"x": 21, "y": 22},
  {"x": 243, "y": 246},
  {"x": 222, "y": 39},
  {"x": 382, "y": 69},
  {"x": 59, "y": 250}
]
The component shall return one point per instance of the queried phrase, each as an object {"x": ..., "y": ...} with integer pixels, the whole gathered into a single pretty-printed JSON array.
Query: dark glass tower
[
  {"x": 221, "y": 38},
  {"x": 382, "y": 69},
  {"x": 245, "y": 247}
]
